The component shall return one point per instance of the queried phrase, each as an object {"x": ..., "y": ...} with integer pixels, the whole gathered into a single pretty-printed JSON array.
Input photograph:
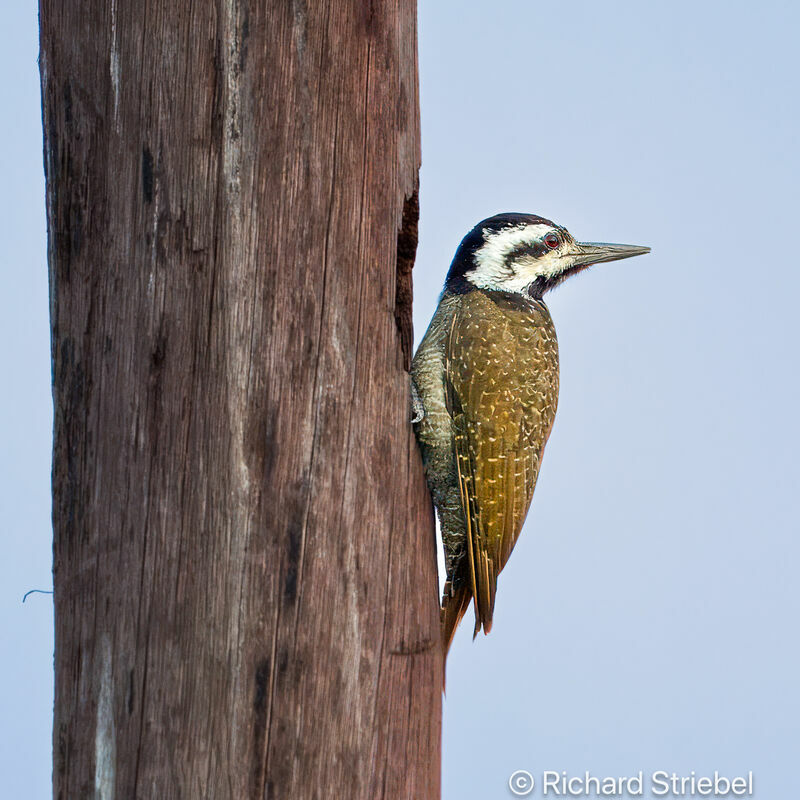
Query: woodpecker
[{"x": 484, "y": 385}]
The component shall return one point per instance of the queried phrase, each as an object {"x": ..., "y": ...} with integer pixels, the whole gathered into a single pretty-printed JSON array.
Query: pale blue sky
[{"x": 648, "y": 617}]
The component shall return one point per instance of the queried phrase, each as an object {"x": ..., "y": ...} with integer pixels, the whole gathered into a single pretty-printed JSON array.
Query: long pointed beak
[{"x": 597, "y": 252}]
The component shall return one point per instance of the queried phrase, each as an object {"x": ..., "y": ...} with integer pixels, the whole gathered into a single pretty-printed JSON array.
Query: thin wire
[{"x": 34, "y": 591}]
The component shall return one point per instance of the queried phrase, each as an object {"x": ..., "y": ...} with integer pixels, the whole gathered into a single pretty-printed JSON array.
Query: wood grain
[{"x": 244, "y": 566}]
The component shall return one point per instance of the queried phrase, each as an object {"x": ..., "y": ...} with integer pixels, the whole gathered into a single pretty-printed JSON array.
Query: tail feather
[{"x": 454, "y": 606}]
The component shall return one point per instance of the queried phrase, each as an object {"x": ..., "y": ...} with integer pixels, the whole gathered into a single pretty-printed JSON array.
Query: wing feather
[{"x": 502, "y": 407}]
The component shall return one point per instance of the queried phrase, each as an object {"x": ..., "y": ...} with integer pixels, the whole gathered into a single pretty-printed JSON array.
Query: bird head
[{"x": 525, "y": 254}]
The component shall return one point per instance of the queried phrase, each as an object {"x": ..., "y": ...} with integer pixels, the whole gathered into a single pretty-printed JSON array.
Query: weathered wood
[{"x": 245, "y": 577}]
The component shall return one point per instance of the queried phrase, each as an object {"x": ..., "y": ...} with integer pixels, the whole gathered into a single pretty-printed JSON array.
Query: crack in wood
[{"x": 407, "y": 238}]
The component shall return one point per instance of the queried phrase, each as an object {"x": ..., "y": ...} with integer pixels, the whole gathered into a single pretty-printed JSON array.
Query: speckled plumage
[{"x": 487, "y": 374}]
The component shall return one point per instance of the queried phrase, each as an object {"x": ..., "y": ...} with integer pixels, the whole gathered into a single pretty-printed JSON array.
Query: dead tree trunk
[{"x": 243, "y": 554}]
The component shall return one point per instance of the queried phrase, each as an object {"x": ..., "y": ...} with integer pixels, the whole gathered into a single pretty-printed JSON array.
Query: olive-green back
[{"x": 502, "y": 392}]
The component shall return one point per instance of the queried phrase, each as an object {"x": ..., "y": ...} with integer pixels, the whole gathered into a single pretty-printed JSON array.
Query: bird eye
[{"x": 552, "y": 241}]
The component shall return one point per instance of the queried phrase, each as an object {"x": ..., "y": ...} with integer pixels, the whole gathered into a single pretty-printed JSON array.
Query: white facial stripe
[{"x": 492, "y": 270}]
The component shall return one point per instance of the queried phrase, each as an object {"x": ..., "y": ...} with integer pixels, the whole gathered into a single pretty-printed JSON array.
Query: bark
[{"x": 244, "y": 565}]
